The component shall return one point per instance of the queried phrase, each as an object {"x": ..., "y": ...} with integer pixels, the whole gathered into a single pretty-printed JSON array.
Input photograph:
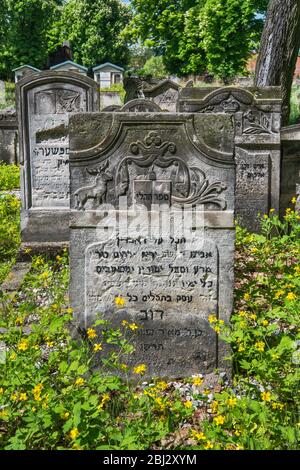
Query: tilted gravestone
[
  {"x": 290, "y": 180},
  {"x": 152, "y": 198},
  {"x": 257, "y": 113},
  {"x": 164, "y": 93},
  {"x": 45, "y": 102}
]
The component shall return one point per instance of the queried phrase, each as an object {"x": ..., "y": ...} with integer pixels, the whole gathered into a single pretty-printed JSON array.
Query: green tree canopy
[
  {"x": 199, "y": 35},
  {"x": 94, "y": 27},
  {"x": 26, "y": 32}
]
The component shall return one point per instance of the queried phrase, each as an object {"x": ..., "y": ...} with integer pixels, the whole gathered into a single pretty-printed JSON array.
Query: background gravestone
[
  {"x": 44, "y": 102},
  {"x": 157, "y": 162},
  {"x": 8, "y": 136},
  {"x": 290, "y": 181},
  {"x": 257, "y": 113},
  {"x": 164, "y": 93}
]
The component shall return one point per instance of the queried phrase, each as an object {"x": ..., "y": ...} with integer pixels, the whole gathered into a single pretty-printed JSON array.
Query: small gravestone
[
  {"x": 153, "y": 225},
  {"x": 45, "y": 102},
  {"x": 257, "y": 114},
  {"x": 141, "y": 106},
  {"x": 164, "y": 93},
  {"x": 8, "y": 136}
]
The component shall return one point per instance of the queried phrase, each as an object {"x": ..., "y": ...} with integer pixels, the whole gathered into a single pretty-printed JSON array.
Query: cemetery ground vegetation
[{"x": 52, "y": 398}]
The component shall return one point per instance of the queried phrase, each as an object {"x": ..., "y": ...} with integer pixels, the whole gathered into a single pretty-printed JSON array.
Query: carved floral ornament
[
  {"x": 254, "y": 121},
  {"x": 189, "y": 185}
]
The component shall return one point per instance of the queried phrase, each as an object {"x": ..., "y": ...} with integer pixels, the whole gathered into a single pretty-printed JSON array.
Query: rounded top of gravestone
[{"x": 141, "y": 106}]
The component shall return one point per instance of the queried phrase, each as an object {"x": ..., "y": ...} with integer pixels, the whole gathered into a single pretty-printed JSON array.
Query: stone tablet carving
[
  {"x": 153, "y": 223},
  {"x": 257, "y": 115},
  {"x": 164, "y": 93},
  {"x": 45, "y": 101}
]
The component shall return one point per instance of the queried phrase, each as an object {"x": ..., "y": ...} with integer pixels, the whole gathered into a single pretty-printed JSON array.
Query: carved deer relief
[{"x": 97, "y": 191}]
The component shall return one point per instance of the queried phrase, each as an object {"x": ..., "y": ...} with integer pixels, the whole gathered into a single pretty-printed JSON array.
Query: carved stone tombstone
[
  {"x": 45, "y": 102},
  {"x": 152, "y": 198},
  {"x": 164, "y": 93},
  {"x": 257, "y": 114},
  {"x": 8, "y": 136},
  {"x": 290, "y": 181}
]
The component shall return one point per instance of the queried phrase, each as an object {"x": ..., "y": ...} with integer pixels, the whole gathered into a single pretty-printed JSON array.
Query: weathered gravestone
[
  {"x": 136, "y": 181},
  {"x": 257, "y": 113},
  {"x": 290, "y": 180},
  {"x": 164, "y": 93},
  {"x": 45, "y": 102},
  {"x": 8, "y": 136}
]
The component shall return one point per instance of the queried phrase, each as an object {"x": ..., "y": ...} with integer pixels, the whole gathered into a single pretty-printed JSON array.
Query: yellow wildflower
[
  {"x": 119, "y": 301},
  {"x": 55, "y": 306},
  {"x": 266, "y": 396},
  {"x": 260, "y": 346},
  {"x": 291, "y": 296},
  {"x": 140, "y": 369},
  {"x": 23, "y": 397},
  {"x": 66, "y": 415},
  {"x": 278, "y": 294},
  {"x": 212, "y": 319},
  {"x": 133, "y": 326},
  {"x": 294, "y": 200},
  {"x": 188, "y": 404},
  {"x": 123, "y": 366},
  {"x": 288, "y": 211},
  {"x": 275, "y": 357},
  {"x": 241, "y": 348},
  {"x": 197, "y": 381},
  {"x": 219, "y": 420},
  {"x": 206, "y": 391},
  {"x": 253, "y": 316},
  {"x": 217, "y": 330},
  {"x": 76, "y": 447},
  {"x": 265, "y": 216},
  {"x": 74, "y": 433},
  {"x": 265, "y": 322},
  {"x": 254, "y": 250},
  {"x": 79, "y": 381},
  {"x": 237, "y": 433},
  {"x": 246, "y": 296},
  {"x": 272, "y": 211},
  {"x": 232, "y": 402},
  {"x": 3, "y": 414},
  {"x": 13, "y": 356},
  {"x": 162, "y": 385},
  {"x": 19, "y": 321},
  {"x": 91, "y": 333},
  {"x": 69, "y": 310},
  {"x": 58, "y": 258},
  {"x": 208, "y": 445},
  {"x": 277, "y": 406},
  {"x": 23, "y": 345},
  {"x": 50, "y": 344},
  {"x": 242, "y": 313},
  {"x": 200, "y": 436},
  {"x": 98, "y": 347},
  {"x": 1, "y": 390},
  {"x": 214, "y": 406},
  {"x": 33, "y": 409}
]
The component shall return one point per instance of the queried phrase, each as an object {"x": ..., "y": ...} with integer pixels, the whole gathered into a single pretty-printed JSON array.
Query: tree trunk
[{"x": 279, "y": 49}]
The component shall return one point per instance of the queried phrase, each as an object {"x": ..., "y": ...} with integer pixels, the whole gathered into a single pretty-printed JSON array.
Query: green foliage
[
  {"x": 94, "y": 27},
  {"x": 230, "y": 31},
  {"x": 155, "y": 67},
  {"x": 9, "y": 177},
  {"x": 50, "y": 397},
  {"x": 295, "y": 105},
  {"x": 199, "y": 35},
  {"x": 117, "y": 87},
  {"x": 25, "y": 32},
  {"x": 9, "y": 231}
]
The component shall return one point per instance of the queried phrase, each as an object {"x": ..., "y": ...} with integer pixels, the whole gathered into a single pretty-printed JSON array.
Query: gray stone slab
[
  {"x": 170, "y": 277},
  {"x": 290, "y": 180},
  {"x": 9, "y": 150},
  {"x": 45, "y": 102},
  {"x": 257, "y": 115},
  {"x": 16, "y": 277}
]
